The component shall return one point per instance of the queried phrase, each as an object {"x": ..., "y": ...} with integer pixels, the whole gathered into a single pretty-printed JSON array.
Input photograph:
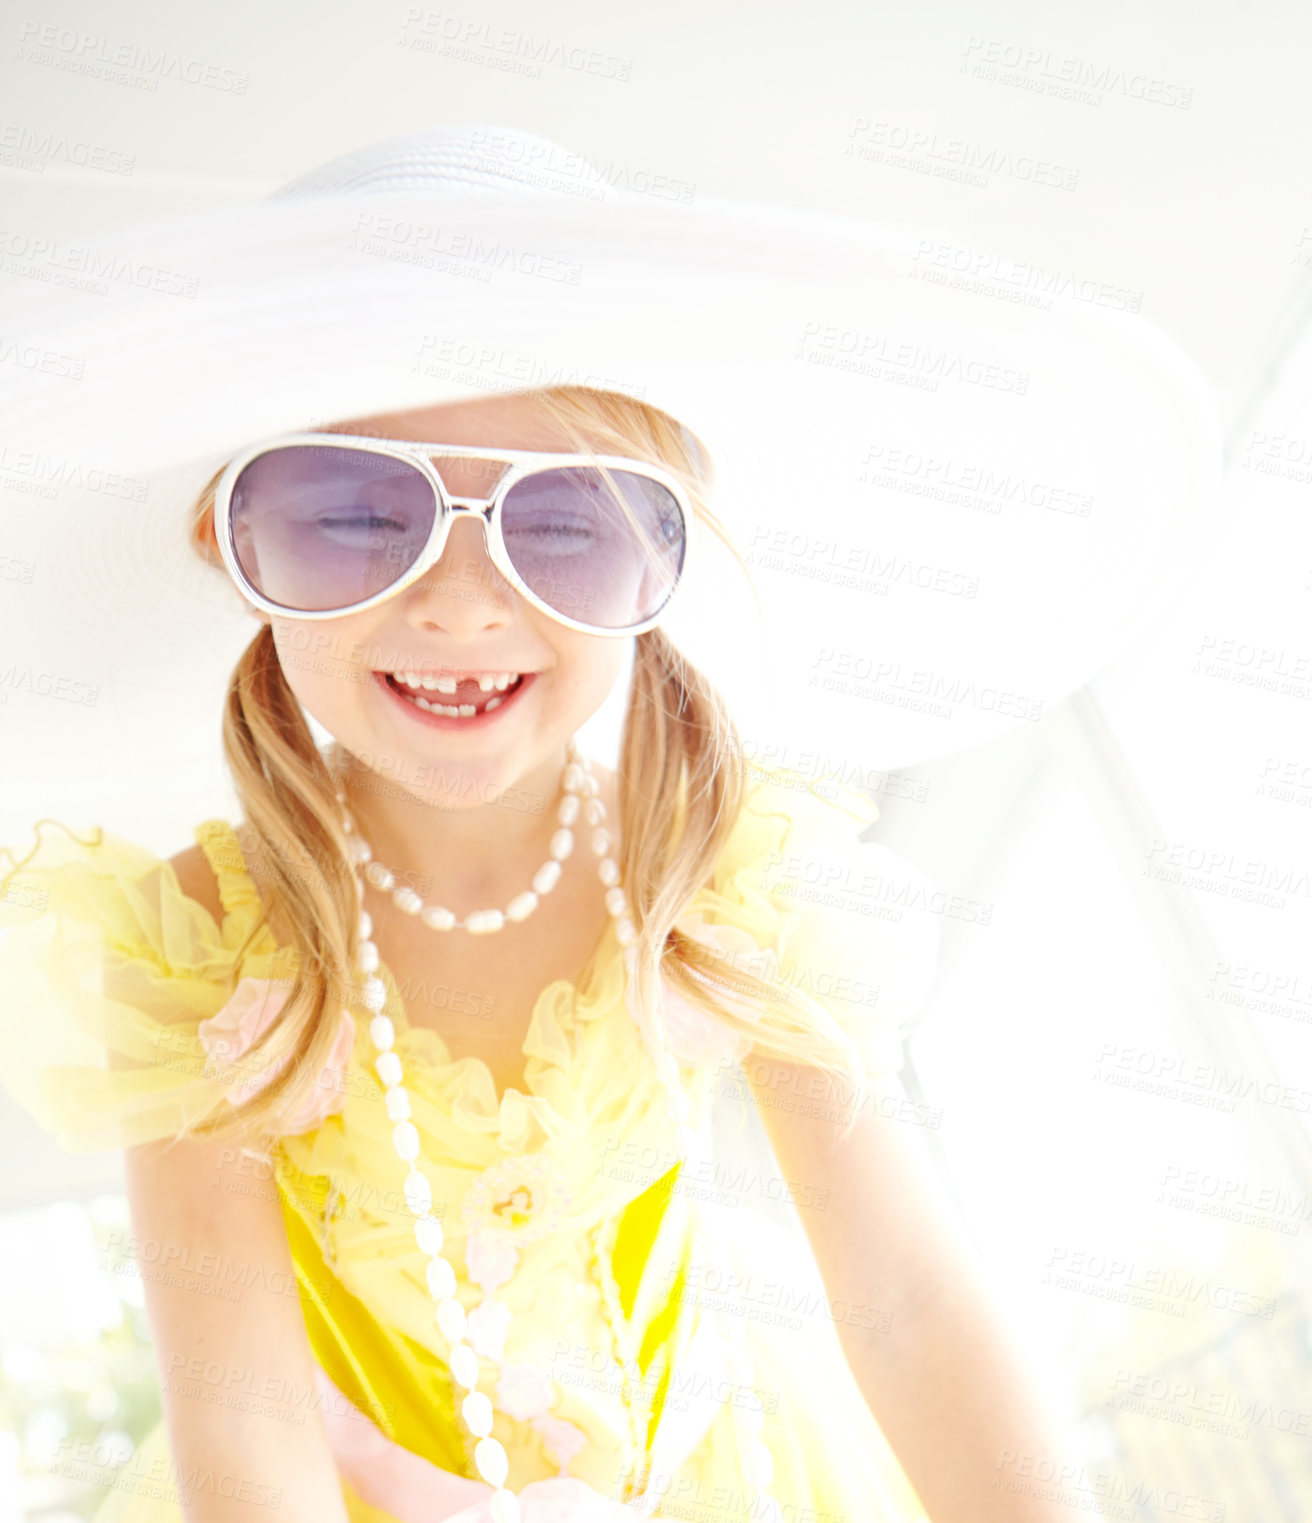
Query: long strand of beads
[{"x": 490, "y": 1458}]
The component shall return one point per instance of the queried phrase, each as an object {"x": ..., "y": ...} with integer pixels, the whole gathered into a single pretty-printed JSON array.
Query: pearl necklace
[{"x": 581, "y": 794}]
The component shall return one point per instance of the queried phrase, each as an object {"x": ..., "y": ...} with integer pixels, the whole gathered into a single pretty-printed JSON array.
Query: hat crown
[{"x": 467, "y": 156}]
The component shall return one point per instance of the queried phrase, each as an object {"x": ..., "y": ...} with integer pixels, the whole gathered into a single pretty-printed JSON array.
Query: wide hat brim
[{"x": 957, "y": 506}]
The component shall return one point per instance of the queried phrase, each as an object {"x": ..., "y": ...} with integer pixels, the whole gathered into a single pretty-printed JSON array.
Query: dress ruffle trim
[
  {"x": 798, "y": 895},
  {"x": 108, "y": 970}
]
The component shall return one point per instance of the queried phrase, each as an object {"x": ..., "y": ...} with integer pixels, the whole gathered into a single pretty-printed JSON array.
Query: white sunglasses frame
[{"x": 519, "y": 463}]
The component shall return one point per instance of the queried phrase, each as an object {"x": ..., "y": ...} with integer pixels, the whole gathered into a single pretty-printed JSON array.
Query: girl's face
[{"x": 461, "y": 616}]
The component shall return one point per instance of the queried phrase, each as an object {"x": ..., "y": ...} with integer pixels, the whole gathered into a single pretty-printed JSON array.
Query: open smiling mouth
[{"x": 455, "y": 702}]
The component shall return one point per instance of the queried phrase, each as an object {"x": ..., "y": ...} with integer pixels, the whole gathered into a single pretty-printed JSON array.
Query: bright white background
[{"x": 1112, "y": 1055}]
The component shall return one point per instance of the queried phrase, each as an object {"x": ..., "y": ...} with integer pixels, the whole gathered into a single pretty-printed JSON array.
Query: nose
[{"x": 463, "y": 593}]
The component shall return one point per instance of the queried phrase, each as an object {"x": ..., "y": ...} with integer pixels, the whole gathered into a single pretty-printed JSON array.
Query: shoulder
[
  {"x": 228, "y": 873},
  {"x": 196, "y": 879},
  {"x": 91, "y": 884}
]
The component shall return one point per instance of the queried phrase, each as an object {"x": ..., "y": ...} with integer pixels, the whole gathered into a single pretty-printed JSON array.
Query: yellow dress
[{"x": 637, "y": 1264}]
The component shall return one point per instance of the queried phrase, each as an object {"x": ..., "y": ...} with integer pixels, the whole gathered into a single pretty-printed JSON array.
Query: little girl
[{"x": 416, "y": 1064}]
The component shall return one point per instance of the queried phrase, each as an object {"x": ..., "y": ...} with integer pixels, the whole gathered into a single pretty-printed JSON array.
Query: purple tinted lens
[
  {"x": 605, "y": 555},
  {"x": 316, "y": 527}
]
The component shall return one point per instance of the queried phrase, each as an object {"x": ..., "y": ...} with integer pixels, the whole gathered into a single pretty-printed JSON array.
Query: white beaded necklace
[{"x": 581, "y": 794}]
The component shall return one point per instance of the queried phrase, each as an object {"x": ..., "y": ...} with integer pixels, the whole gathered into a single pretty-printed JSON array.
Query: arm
[
  {"x": 239, "y": 1463},
  {"x": 944, "y": 1383},
  {"x": 230, "y": 1464}
]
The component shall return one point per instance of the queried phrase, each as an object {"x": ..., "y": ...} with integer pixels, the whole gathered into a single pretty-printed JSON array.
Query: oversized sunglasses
[{"x": 318, "y": 525}]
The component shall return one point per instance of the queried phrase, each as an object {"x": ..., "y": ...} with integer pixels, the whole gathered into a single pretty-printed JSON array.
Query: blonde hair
[{"x": 682, "y": 782}]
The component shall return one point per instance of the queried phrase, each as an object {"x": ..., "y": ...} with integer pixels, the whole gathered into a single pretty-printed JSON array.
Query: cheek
[
  {"x": 319, "y": 662},
  {"x": 602, "y": 687},
  {"x": 596, "y": 666}
]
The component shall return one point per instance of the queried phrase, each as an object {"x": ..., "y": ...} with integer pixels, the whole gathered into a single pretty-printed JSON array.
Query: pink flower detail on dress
[
  {"x": 486, "y": 1328},
  {"x": 489, "y": 1261},
  {"x": 518, "y": 1199},
  {"x": 255, "y": 1004},
  {"x": 229, "y": 1034},
  {"x": 523, "y": 1392}
]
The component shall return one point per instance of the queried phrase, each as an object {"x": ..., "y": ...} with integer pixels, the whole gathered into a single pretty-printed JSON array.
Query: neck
[{"x": 467, "y": 850}]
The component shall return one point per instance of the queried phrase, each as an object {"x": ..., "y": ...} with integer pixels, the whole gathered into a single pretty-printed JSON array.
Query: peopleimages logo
[
  {"x": 981, "y": 488},
  {"x": 52, "y": 472},
  {"x": 34, "y": 149},
  {"x": 953, "y": 158},
  {"x": 87, "y": 269},
  {"x": 48, "y": 685},
  {"x": 91, "y": 53},
  {"x": 1068, "y": 78},
  {"x": 506, "y": 48},
  {"x": 1014, "y": 280}
]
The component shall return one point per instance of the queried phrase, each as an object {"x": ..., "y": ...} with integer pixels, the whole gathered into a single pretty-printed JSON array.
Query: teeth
[
  {"x": 451, "y": 710},
  {"x": 417, "y": 684},
  {"x": 421, "y": 684}
]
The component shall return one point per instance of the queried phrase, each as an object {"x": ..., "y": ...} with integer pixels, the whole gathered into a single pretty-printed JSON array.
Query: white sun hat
[{"x": 956, "y": 507}]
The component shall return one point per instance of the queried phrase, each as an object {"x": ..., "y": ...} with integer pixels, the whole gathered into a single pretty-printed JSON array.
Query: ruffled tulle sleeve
[
  {"x": 107, "y": 970},
  {"x": 798, "y": 895}
]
